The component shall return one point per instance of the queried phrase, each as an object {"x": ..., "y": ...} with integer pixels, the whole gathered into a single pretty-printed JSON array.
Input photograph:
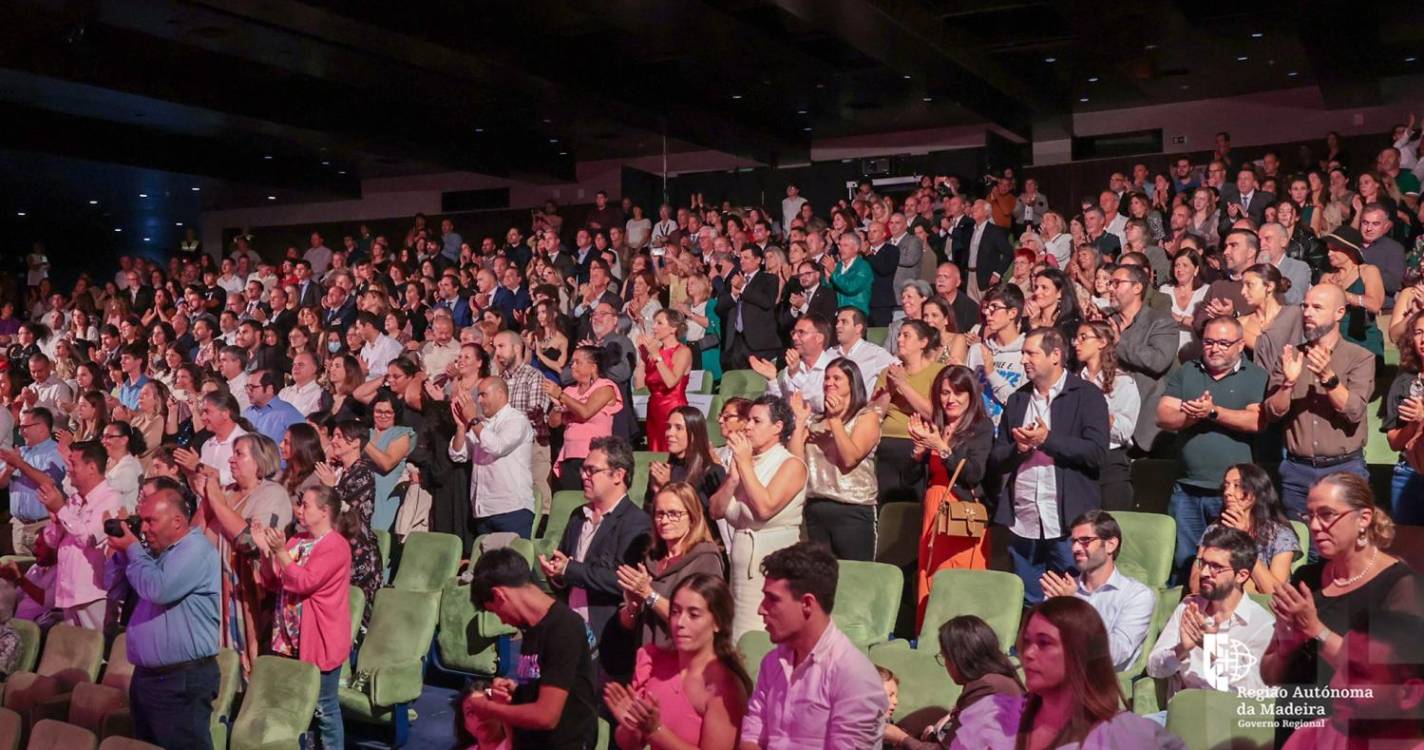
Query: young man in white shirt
[
  {"x": 1125, "y": 604},
  {"x": 851, "y": 344},
  {"x": 380, "y": 349}
]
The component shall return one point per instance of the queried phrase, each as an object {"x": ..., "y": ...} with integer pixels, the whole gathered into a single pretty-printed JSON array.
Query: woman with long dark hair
[
  {"x": 1053, "y": 303},
  {"x": 990, "y": 691},
  {"x": 1251, "y": 504},
  {"x": 839, "y": 451},
  {"x": 301, "y": 452},
  {"x": 1096, "y": 348},
  {"x": 693, "y": 695},
  {"x": 1074, "y": 698},
  {"x": 690, "y": 458},
  {"x": 955, "y": 443},
  {"x": 901, "y": 391},
  {"x": 1403, "y": 418},
  {"x": 1271, "y": 323}
]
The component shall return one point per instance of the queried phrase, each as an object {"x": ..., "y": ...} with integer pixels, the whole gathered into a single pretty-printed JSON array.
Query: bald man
[
  {"x": 498, "y": 442},
  {"x": 1319, "y": 393}
]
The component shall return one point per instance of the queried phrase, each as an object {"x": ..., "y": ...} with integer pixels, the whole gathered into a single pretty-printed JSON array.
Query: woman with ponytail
[
  {"x": 691, "y": 696},
  {"x": 1354, "y": 579}
]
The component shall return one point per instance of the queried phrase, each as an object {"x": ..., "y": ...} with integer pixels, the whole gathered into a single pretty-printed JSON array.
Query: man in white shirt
[
  {"x": 220, "y": 418},
  {"x": 232, "y": 365},
  {"x": 304, "y": 393},
  {"x": 851, "y": 344},
  {"x": 805, "y": 371},
  {"x": 442, "y": 349},
  {"x": 1124, "y": 604},
  {"x": 791, "y": 206},
  {"x": 318, "y": 255},
  {"x": 47, "y": 389},
  {"x": 1198, "y": 648},
  {"x": 380, "y": 349},
  {"x": 500, "y": 450},
  {"x": 1114, "y": 223}
]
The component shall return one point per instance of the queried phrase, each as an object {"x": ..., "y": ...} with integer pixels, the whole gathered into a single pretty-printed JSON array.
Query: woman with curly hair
[{"x": 1096, "y": 348}]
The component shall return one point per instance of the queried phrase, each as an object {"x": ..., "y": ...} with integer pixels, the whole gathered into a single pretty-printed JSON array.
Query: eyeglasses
[
  {"x": 1084, "y": 541},
  {"x": 669, "y": 515},
  {"x": 1085, "y": 337},
  {"x": 589, "y": 471},
  {"x": 990, "y": 309},
  {"x": 940, "y": 660},
  {"x": 1326, "y": 516},
  {"x": 1211, "y": 568},
  {"x": 1221, "y": 343}
]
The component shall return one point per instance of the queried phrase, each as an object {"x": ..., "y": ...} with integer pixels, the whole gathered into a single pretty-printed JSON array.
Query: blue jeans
[
  {"x": 1406, "y": 495},
  {"x": 1297, "y": 479},
  {"x": 330, "y": 731},
  {"x": 173, "y": 709},
  {"x": 1033, "y": 557},
  {"x": 519, "y": 522},
  {"x": 1194, "y": 509}
]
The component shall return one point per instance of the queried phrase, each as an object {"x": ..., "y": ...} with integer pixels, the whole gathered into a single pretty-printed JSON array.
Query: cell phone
[{"x": 272, "y": 522}]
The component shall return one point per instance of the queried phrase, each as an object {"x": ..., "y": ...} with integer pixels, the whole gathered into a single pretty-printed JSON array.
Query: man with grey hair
[
  {"x": 912, "y": 252},
  {"x": 1273, "y": 238},
  {"x": 989, "y": 251},
  {"x": 525, "y": 388},
  {"x": 620, "y": 358},
  {"x": 1381, "y": 250}
]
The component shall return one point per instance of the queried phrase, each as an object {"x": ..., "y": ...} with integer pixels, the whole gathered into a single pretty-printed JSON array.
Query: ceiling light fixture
[
  {"x": 197, "y": 189},
  {"x": 1150, "y": 47},
  {"x": 143, "y": 195},
  {"x": 1411, "y": 59},
  {"x": 1093, "y": 79},
  {"x": 736, "y": 96},
  {"x": 93, "y": 203},
  {"x": 553, "y": 140},
  {"x": 177, "y": 223},
  {"x": 1084, "y": 99},
  {"x": 1050, "y": 59},
  {"x": 1257, "y": 35},
  {"x": 929, "y": 98},
  {"x": 1242, "y": 58},
  {"x": 326, "y": 164},
  {"x": 563, "y": 153},
  {"x": 271, "y": 197},
  {"x": 800, "y": 111},
  {"x": 118, "y": 229},
  {"x": 341, "y": 171},
  {"x": 1292, "y": 74},
  {"x": 268, "y": 157},
  {"x": 479, "y": 130},
  {"x": 907, "y": 76},
  {"x": 806, "y": 129},
  {"x": 20, "y": 213},
  {"x": 148, "y": 239}
]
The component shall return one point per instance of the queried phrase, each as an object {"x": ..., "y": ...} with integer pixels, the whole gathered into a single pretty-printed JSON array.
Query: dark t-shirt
[
  {"x": 1208, "y": 449},
  {"x": 556, "y": 652}
]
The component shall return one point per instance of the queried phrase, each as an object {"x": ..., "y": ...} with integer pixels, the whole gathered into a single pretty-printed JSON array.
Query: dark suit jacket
[
  {"x": 884, "y": 262},
  {"x": 508, "y": 302},
  {"x": 995, "y": 253},
  {"x": 311, "y": 295},
  {"x": 622, "y": 539},
  {"x": 459, "y": 310},
  {"x": 822, "y": 303},
  {"x": 758, "y": 314},
  {"x": 1256, "y": 211},
  {"x": 285, "y": 319},
  {"x": 344, "y": 317},
  {"x": 1077, "y": 443},
  {"x": 140, "y": 301}
]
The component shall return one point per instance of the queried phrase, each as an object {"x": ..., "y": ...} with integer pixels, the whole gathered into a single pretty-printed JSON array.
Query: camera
[{"x": 115, "y": 526}]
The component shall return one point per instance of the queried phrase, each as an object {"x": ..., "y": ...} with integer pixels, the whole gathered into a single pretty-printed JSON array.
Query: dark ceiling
[{"x": 258, "y": 100}]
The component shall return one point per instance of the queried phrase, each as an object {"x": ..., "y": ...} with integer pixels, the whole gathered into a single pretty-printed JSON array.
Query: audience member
[
  {"x": 41, "y": 456},
  {"x": 1096, "y": 348},
  {"x": 1361, "y": 287},
  {"x": 997, "y": 358},
  {"x": 525, "y": 384},
  {"x": 585, "y": 409},
  {"x": 806, "y": 364},
  {"x": 350, "y": 476},
  {"x": 1124, "y": 604},
  {"x": 1146, "y": 345},
  {"x": 1403, "y": 413},
  {"x": 903, "y": 390},
  {"x": 388, "y": 449},
  {"x": 871, "y": 359},
  {"x": 499, "y": 446},
  {"x": 268, "y": 413},
  {"x": 666, "y": 365}
]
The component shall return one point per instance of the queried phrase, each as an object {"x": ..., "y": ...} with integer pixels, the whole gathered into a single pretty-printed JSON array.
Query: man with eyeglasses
[
  {"x": 268, "y": 412},
  {"x": 1216, "y": 175},
  {"x": 1124, "y": 604},
  {"x": 1213, "y": 628},
  {"x": 1380, "y": 250},
  {"x": 806, "y": 360},
  {"x": 39, "y": 455},
  {"x": 607, "y": 531},
  {"x": 1147, "y": 344},
  {"x": 811, "y": 298},
  {"x": 1213, "y": 405},
  {"x": 997, "y": 358},
  {"x": 1319, "y": 393}
]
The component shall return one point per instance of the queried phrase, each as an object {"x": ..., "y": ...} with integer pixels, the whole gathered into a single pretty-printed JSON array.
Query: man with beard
[
  {"x": 1125, "y": 604},
  {"x": 1319, "y": 393},
  {"x": 1198, "y": 647}
]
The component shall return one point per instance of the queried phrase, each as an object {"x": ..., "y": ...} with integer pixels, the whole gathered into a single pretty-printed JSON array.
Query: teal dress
[
  {"x": 387, "y": 504},
  {"x": 1359, "y": 326},
  {"x": 852, "y": 284},
  {"x": 712, "y": 357}
]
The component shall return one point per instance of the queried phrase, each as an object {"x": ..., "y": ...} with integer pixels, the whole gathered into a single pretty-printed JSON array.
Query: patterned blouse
[{"x": 356, "y": 489}]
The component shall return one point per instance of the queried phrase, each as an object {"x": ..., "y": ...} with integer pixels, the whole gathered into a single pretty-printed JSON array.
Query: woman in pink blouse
[
  {"x": 311, "y": 573},
  {"x": 693, "y": 696},
  {"x": 585, "y": 409}
]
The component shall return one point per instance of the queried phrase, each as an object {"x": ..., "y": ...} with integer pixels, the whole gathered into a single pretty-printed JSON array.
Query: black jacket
[
  {"x": 758, "y": 314},
  {"x": 995, "y": 253},
  {"x": 1077, "y": 443},
  {"x": 622, "y": 539},
  {"x": 883, "y": 263}
]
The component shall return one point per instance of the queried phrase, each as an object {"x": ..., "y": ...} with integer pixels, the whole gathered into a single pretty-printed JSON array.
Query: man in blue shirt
[
  {"x": 29, "y": 516},
  {"x": 173, "y": 635},
  {"x": 268, "y": 413},
  {"x": 132, "y": 359}
]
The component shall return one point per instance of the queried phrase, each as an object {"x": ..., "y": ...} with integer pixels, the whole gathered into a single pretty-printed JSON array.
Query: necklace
[{"x": 1347, "y": 582}]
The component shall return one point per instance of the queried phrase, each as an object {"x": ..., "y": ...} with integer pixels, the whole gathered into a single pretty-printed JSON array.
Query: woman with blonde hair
[{"x": 682, "y": 546}]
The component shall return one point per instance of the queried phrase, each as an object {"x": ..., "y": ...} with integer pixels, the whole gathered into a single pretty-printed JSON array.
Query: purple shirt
[{"x": 834, "y": 699}]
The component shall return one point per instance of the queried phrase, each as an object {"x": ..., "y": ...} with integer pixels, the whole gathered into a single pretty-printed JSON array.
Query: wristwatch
[
  {"x": 652, "y": 600},
  {"x": 1330, "y": 384},
  {"x": 1212, "y": 415}
]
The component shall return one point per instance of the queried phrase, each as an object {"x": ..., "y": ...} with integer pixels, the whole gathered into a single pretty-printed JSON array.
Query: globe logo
[{"x": 1227, "y": 660}]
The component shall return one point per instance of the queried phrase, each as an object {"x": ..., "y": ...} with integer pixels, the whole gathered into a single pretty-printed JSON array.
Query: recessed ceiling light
[
  {"x": 806, "y": 129},
  {"x": 326, "y": 164},
  {"x": 736, "y": 96},
  {"x": 1150, "y": 47},
  {"x": 907, "y": 77},
  {"x": 1242, "y": 58},
  {"x": 1050, "y": 59},
  {"x": 479, "y": 130},
  {"x": 553, "y": 140},
  {"x": 1084, "y": 99},
  {"x": 800, "y": 111},
  {"x": 19, "y": 213},
  {"x": 1186, "y": 86},
  {"x": 177, "y": 223},
  {"x": 820, "y": 85},
  {"x": 271, "y": 197},
  {"x": 93, "y": 203},
  {"x": 929, "y": 98},
  {"x": 1411, "y": 59},
  {"x": 341, "y": 171},
  {"x": 1292, "y": 74},
  {"x": 1094, "y": 79},
  {"x": 148, "y": 239},
  {"x": 547, "y": 121},
  {"x": 268, "y": 157},
  {"x": 118, "y": 229},
  {"x": 196, "y": 189},
  {"x": 1257, "y": 35},
  {"x": 143, "y": 195},
  {"x": 563, "y": 153}
]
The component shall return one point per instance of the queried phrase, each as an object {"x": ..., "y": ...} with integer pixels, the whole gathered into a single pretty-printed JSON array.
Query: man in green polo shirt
[{"x": 1214, "y": 406}]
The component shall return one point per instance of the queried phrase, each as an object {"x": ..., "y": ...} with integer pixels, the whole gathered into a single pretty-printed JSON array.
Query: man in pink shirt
[
  {"x": 77, "y": 535},
  {"x": 815, "y": 689}
]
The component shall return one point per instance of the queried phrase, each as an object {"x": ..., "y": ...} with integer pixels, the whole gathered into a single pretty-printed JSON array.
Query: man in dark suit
[
  {"x": 308, "y": 290},
  {"x": 956, "y": 229},
  {"x": 516, "y": 249},
  {"x": 1243, "y": 199},
  {"x": 585, "y": 574},
  {"x": 1050, "y": 446},
  {"x": 809, "y": 297},
  {"x": 284, "y": 317},
  {"x": 584, "y": 254},
  {"x": 340, "y": 308},
  {"x": 448, "y": 297},
  {"x": 139, "y": 296},
  {"x": 748, "y": 312},
  {"x": 987, "y": 253},
  {"x": 883, "y": 257},
  {"x": 600, "y": 289},
  {"x": 512, "y": 295}
]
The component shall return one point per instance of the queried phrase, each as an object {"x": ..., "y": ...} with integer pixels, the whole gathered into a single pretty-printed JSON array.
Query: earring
[{"x": 1360, "y": 540}]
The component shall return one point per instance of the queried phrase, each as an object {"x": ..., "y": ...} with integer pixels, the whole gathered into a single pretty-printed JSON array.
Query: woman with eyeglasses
[
  {"x": 762, "y": 501},
  {"x": 388, "y": 448},
  {"x": 585, "y": 409},
  {"x": 990, "y": 696},
  {"x": 1251, "y": 504},
  {"x": 682, "y": 546},
  {"x": 913, "y": 293},
  {"x": 1326, "y": 599},
  {"x": 1095, "y": 346},
  {"x": 124, "y": 444},
  {"x": 1403, "y": 418},
  {"x": 1271, "y": 324}
]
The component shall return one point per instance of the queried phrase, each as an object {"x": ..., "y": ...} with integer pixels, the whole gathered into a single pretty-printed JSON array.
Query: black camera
[{"x": 113, "y": 526}]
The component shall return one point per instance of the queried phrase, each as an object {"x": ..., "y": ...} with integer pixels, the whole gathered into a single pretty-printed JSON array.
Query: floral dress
[
  {"x": 356, "y": 488},
  {"x": 287, "y": 622}
]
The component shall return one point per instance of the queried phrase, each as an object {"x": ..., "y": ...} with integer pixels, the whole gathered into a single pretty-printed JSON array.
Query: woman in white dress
[
  {"x": 762, "y": 502},
  {"x": 1186, "y": 291}
]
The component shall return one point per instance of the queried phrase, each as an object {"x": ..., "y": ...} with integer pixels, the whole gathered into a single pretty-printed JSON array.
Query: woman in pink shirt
[
  {"x": 585, "y": 409},
  {"x": 312, "y": 622},
  {"x": 691, "y": 697}
]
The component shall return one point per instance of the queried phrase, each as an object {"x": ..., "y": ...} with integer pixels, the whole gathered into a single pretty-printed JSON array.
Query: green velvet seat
[
  {"x": 119, "y": 722},
  {"x": 12, "y": 726},
  {"x": 486, "y": 542},
  {"x": 897, "y": 534},
  {"x": 564, "y": 504},
  {"x": 48, "y": 734},
  {"x": 428, "y": 560},
  {"x": 1146, "y": 693},
  {"x": 392, "y": 659},
  {"x": 995, "y": 596},
  {"x": 1212, "y": 720},
  {"x": 1148, "y": 540},
  {"x": 30, "y": 639},
  {"x": 867, "y": 601},
  {"x": 754, "y": 645},
  {"x": 924, "y": 684},
  {"x": 383, "y": 543},
  {"x": 877, "y": 334},
  {"x": 278, "y": 706},
  {"x": 714, "y": 428},
  {"x": 357, "y": 604},
  {"x": 70, "y": 656},
  {"x": 746, "y": 383},
  {"x": 468, "y": 638},
  {"x": 642, "y": 460}
]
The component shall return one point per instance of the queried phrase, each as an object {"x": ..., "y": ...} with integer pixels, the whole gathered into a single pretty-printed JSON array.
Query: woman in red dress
[
  {"x": 959, "y": 431},
  {"x": 666, "y": 364}
]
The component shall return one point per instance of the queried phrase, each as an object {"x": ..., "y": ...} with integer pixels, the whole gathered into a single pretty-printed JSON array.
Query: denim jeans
[
  {"x": 326, "y": 722},
  {"x": 519, "y": 522},
  {"x": 173, "y": 709},
  {"x": 1298, "y": 478},
  {"x": 1033, "y": 557},
  {"x": 1406, "y": 495},
  {"x": 1193, "y": 508}
]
